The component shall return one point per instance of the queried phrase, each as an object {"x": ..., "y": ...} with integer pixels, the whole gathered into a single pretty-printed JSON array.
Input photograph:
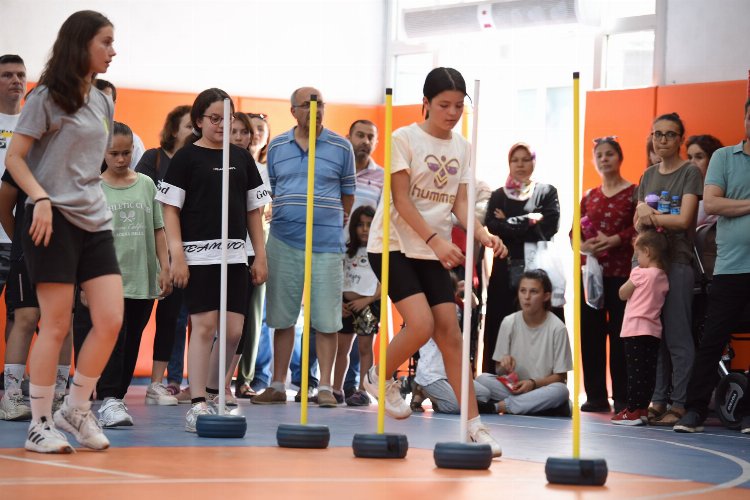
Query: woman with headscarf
[{"x": 522, "y": 211}]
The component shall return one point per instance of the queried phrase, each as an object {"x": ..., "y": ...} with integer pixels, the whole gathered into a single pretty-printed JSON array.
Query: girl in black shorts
[
  {"x": 55, "y": 157},
  {"x": 191, "y": 195},
  {"x": 429, "y": 176}
]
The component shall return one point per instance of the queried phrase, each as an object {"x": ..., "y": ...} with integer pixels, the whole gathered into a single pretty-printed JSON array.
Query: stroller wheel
[{"x": 729, "y": 393}]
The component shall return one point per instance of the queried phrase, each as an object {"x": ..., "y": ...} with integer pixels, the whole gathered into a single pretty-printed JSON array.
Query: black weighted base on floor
[
  {"x": 221, "y": 426},
  {"x": 591, "y": 472},
  {"x": 302, "y": 436},
  {"x": 380, "y": 445},
  {"x": 463, "y": 456}
]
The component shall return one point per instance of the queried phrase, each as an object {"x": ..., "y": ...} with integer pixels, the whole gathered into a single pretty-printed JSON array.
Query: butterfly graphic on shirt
[{"x": 442, "y": 169}]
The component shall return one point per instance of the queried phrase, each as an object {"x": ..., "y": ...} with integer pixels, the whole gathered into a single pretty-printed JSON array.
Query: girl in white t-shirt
[
  {"x": 360, "y": 306},
  {"x": 430, "y": 173}
]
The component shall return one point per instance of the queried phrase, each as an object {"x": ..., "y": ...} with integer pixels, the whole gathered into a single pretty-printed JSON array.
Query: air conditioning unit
[{"x": 480, "y": 16}]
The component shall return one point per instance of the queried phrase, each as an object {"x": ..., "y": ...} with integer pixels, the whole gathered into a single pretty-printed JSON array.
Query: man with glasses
[{"x": 334, "y": 190}]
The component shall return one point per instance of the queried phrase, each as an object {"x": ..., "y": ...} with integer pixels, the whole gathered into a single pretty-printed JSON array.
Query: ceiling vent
[{"x": 476, "y": 17}]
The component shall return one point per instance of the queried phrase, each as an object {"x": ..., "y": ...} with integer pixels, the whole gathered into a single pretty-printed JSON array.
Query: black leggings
[
  {"x": 118, "y": 372},
  {"x": 641, "y": 353},
  {"x": 167, "y": 312}
]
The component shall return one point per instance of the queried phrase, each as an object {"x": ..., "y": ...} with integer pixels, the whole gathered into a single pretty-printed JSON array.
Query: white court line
[{"x": 75, "y": 467}]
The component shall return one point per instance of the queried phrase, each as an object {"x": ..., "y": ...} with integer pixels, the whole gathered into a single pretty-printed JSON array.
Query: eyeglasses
[
  {"x": 216, "y": 119},
  {"x": 609, "y": 138},
  {"x": 262, "y": 116},
  {"x": 670, "y": 135},
  {"x": 306, "y": 105}
]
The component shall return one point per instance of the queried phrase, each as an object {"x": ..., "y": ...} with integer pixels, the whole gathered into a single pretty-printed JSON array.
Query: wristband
[
  {"x": 427, "y": 241},
  {"x": 42, "y": 199}
]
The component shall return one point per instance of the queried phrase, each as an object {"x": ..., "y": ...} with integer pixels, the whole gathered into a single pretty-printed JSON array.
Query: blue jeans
[
  {"x": 352, "y": 374},
  {"x": 296, "y": 363},
  {"x": 264, "y": 358},
  {"x": 176, "y": 365}
]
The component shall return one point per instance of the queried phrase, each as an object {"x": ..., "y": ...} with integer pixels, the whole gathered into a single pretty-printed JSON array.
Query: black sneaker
[
  {"x": 745, "y": 425},
  {"x": 596, "y": 407},
  {"x": 690, "y": 422}
]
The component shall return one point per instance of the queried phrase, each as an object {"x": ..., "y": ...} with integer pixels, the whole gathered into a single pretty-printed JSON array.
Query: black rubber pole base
[
  {"x": 471, "y": 456},
  {"x": 587, "y": 472},
  {"x": 302, "y": 436},
  {"x": 221, "y": 426},
  {"x": 380, "y": 445}
]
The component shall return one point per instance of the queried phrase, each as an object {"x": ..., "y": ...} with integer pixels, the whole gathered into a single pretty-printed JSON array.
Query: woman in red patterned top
[{"x": 610, "y": 209}]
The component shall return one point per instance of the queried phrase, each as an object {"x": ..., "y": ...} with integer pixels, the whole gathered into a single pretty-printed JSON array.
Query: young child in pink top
[{"x": 641, "y": 326}]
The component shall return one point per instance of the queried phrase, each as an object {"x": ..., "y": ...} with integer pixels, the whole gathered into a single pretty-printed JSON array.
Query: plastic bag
[
  {"x": 540, "y": 256},
  {"x": 593, "y": 282}
]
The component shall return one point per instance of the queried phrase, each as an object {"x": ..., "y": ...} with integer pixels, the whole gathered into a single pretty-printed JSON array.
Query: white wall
[
  {"x": 262, "y": 48},
  {"x": 707, "y": 41}
]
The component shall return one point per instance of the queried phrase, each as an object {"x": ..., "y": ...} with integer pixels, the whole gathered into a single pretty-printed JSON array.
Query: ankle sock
[
  {"x": 61, "y": 382},
  {"x": 40, "y": 397},
  {"x": 278, "y": 386},
  {"x": 13, "y": 377},
  {"x": 80, "y": 391},
  {"x": 474, "y": 423},
  {"x": 198, "y": 400}
]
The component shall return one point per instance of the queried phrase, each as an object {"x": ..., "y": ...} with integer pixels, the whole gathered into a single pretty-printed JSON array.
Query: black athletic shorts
[
  {"x": 74, "y": 255},
  {"x": 19, "y": 292},
  {"x": 204, "y": 287},
  {"x": 412, "y": 276}
]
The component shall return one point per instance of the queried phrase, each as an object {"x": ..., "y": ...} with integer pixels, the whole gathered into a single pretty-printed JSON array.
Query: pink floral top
[{"x": 612, "y": 215}]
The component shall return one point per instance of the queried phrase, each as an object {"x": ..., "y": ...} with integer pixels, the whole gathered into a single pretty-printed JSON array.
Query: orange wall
[{"x": 705, "y": 108}]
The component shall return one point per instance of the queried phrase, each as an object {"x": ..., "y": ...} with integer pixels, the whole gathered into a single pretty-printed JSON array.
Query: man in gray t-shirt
[{"x": 726, "y": 194}]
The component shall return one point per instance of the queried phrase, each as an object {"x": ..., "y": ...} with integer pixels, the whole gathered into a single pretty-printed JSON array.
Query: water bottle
[
  {"x": 674, "y": 207},
  {"x": 587, "y": 228},
  {"x": 652, "y": 200},
  {"x": 665, "y": 203}
]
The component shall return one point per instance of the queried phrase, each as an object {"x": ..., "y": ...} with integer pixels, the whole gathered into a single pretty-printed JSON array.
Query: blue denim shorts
[{"x": 286, "y": 274}]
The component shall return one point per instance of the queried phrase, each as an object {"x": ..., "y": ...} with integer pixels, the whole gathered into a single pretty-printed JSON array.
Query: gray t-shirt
[
  {"x": 67, "y": 155},
  {"x": 539, "y": 351},
  {"x": 729, "y": 169},
  {"x": 685, "y": 180}
]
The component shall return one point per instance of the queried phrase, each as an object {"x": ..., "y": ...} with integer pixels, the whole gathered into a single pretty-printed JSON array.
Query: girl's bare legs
[
  {"x": 345, "y": 341},
  {"x": 439, "y": 322},
  {"x": 157, "y": 371},
  {"x": 210, "y": 352},
  {"x": 56, "y": 304},
  {"x": 106, "y": 306}
]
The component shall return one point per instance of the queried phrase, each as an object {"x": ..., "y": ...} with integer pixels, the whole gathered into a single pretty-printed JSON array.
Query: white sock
[
  {"x": 41, "y": 397},
  {"x": 278, "y": 386},
  {"x": 61, "y": 382},
  {"x": 13, "y": 378},
  {"x": 80, "y": 391},
  {"x": 474, "y": 423},
  {"x": 325, "y": 388}
]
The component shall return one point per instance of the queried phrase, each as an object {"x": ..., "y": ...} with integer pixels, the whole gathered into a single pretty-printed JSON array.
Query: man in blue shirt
[
  {"x": 334, "y": 190},
  {"x": 726, "y": 194}
]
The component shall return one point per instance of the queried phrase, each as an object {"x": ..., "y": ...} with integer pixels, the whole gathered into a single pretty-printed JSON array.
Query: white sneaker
[
  {"x": 43, "y": 437},
  {"x": 395, "y": 405},
  {"x": 157, "y": 394},
  {"x": 481, "y": 434},
  {"x": 57, "y": 401},
  {"x": 114, "y": 413},
  {"x": 13, "y": 408},
  {"x": 191, "y": 418},
  {"x": 82, "y": 424}
]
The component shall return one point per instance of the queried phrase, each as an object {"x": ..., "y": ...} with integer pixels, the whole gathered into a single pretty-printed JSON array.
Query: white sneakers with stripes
[{"x": 43, "y": 437}]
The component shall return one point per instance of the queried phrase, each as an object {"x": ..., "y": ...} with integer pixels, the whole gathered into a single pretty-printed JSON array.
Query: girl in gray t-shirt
[{"x": 55, "y": 157}]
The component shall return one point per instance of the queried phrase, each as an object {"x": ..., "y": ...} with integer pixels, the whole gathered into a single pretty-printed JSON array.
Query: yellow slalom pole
[
  {"x": 308, "y": 253},
  {"x": 576, "y": 270},
  {"x": 386, "y": 196}
]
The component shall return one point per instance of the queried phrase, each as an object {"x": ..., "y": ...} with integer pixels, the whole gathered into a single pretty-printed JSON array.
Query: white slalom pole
[
  {"x": 469, "y": 273},
  {"x": 224, "y": 244}
]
